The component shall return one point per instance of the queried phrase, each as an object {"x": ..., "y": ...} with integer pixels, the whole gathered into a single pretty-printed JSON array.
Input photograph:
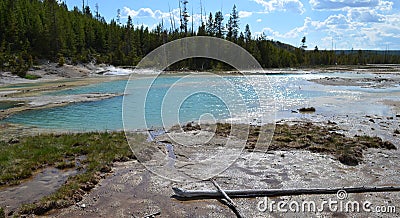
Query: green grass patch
[
  {"x": 2, "y": 213},
  {"x": 20, "y": 160},
  {"x": 32, "y": 77}
]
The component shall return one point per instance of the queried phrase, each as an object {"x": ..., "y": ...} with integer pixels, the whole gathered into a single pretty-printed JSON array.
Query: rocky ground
[
  {"x": 368, "y": 68},
  {"x": 48, "y": 71},
  {"x": 132, "y": 191},
  {"x": 376, "y": 82}
]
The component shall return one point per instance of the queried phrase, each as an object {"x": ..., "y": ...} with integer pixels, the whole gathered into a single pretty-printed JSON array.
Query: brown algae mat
[{"x": 307, "y": 136}]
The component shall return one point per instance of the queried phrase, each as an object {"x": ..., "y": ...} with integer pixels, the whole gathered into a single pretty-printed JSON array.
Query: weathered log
[
  {"x": 229, "y": 201},
  {"x": 250, "y": 193}
]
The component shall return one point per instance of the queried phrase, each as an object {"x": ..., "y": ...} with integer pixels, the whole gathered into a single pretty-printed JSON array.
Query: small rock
[
  {"x": 105, "y": 169},
  {"x": 388, "y": 145},
  {"x": 83, "y": 205},
  {"x": 350, "y": 160},
  {"x": 13, "y": 141},
  {"x": 308, "y": 109},
  {"x": 76, "y": 144},
  {"x": 331, "y": 122},
  {"x": 10, "y": 213}
]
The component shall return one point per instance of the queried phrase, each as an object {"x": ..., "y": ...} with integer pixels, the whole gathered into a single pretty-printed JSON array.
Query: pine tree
[
  {"x": 184, "y": 17},
  {"x": 303, "y": 42},
  {"x": 88, "y": 12},
  {"x": 210, "y": 27},
  {"x": 233, "y": 25},
  {"x": 247, "y": 34},
  {"x": 218, "y": 24}
]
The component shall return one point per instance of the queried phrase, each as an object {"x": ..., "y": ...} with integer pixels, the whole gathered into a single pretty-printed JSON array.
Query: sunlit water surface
[{"x": 181, "y": 99}]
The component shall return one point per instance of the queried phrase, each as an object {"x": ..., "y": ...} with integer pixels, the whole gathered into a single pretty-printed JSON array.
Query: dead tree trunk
[{"x": 251, "y": 193}]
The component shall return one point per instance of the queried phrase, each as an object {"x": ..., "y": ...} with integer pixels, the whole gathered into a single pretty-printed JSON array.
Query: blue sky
[{"x": 340, "y": 24}]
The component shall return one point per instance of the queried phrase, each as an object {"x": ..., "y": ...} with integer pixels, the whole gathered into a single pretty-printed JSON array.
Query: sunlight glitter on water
[{"x": 187, "y": 99}]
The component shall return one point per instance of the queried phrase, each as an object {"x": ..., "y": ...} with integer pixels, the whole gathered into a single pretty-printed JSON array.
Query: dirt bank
[
  {"x": 24, "y": 94},
  {"x": 368, "y": 68},
  {"x": 41, "y": 102}
]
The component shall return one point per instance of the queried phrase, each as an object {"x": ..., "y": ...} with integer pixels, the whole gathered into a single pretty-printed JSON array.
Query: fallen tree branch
[
  {"x": 153, "y": 215},
  {"x": 250, "y": 193},
  {"x": 229, "y": 201}
]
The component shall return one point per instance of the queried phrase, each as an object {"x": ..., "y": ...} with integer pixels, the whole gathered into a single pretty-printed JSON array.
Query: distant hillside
[{"x": 376, "y": 52}]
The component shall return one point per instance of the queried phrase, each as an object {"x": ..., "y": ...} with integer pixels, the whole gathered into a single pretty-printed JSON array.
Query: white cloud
[
  {"x": 359, "y": 29},
  {"x": 385, "y": 5},
  {"x": 291, "y": 34},
  {"x": 356, "y": 24},
  {"x": 144, "y": 12},
  {"x": 282, "y": 5},
  {"x": 154, "y": 14},
  {"x": 393, "y": 18},
  {"x": 365, "y": 15},
  {"x": 159, "y": 15},
  {"x": 389, "y": 28},
  {"x": 348, "y": 4},
  {"x": 337, "y": 22},
  {"x": 243, "y": 14}
]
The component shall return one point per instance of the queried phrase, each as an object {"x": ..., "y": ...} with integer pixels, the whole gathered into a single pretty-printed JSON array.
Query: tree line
[{"x": 31, "y": 30}]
